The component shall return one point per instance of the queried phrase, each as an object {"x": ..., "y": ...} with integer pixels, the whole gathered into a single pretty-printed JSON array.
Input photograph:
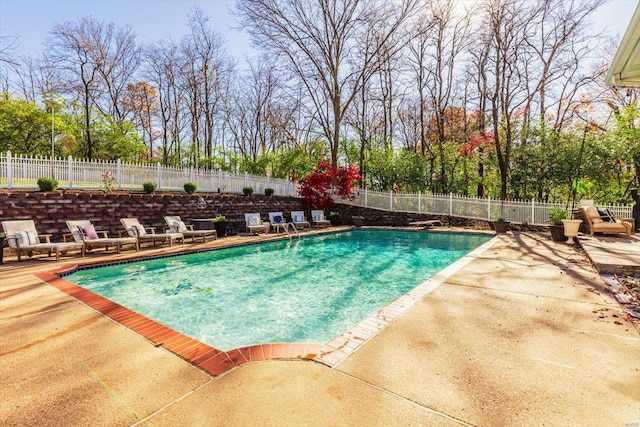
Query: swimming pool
[{"x": 307, "y": 290}]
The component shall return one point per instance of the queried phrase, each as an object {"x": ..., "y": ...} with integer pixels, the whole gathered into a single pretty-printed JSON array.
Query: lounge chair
[
  {"x": 277, "y": 221},
  {"x": 299, "y": 220},
  {"x": 426, "y": 224},
  {"x": 135, "y": 229},
  {"x": 84, "y": 232},
  {"x": 599, "y": 223},
  {"x": 23, "y": 237},
  {"x": 318, "y": 219},
  {"x": 254, "y": 223},
  {"x": 178, "y": 226}
]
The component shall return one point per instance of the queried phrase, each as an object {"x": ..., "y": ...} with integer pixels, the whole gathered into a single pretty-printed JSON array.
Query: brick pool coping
[{"x": 215, "y": 361}]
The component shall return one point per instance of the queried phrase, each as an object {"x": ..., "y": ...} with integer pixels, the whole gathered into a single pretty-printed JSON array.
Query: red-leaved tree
[{"x": 325, "y": 181}]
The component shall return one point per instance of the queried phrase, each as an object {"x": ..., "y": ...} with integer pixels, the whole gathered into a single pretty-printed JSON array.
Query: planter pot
[
  {"x": 501, "y": 227},
  {"x": 571, "y": 229},
  {"x": 221, "y": 228},
  {"x": 557, "y": 233}
]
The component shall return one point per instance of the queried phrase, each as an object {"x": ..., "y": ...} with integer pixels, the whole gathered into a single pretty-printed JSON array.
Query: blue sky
[{"x": 153, "y": 20}]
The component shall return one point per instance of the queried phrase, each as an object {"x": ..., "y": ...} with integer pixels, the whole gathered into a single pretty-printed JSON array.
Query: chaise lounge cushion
[{"x": 90, "y": 232}]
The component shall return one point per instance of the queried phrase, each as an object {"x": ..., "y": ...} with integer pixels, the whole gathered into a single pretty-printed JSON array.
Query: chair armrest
[
  {"x": 68, "y": 236},
  {"x": 151, "y": 230},
  {"x": 123, "y": 233},
  {"x": 13, "y": 238},
  {"x": 189, "y": 227},
  {"x": 47, "y": 237}
]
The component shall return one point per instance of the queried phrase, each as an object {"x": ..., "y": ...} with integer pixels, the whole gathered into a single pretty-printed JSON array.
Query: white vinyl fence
[
  {"x": 531, "y": 212},
  {"x": 22, "y": 172}
]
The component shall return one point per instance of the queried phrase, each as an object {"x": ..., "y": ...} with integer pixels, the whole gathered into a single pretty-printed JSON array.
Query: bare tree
[
  {"x": 95, "y": 60},
  {"x": 317, "y": 39},
  {"x": 161, "y": 70},
  {"x": 205, "y": 70}
]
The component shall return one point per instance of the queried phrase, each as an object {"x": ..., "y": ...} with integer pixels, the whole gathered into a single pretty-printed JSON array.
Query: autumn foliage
[{"x": 325, "y": 181}]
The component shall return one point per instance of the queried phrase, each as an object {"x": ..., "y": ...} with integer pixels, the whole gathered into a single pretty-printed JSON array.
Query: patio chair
[
  {"x": 276, "y": 219},
  {"x": 178, "y": 226},
  {"x": 254, "y": 223},
  {"x": 84, "y": 232},
  {"x": 23, "y": 237},
  {"x": 607, "y": 223},
  {"x": 318, "y": 219},
  {"x": 135, "y": 229},
  {"x": 299, "y": 220}
]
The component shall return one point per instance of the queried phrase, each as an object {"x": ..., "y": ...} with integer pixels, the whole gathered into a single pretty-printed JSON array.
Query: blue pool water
[{"x": 307, "y": 290}]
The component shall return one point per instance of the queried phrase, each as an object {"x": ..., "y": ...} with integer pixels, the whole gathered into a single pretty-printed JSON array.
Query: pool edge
[{"x": 215, "y": 361}]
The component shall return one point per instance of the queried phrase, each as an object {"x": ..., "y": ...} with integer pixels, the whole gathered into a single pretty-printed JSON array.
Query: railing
[
  {"x": 24, "y": 172},
  {"x": 21, "y": 172},
  {"x": 531, "y": 212}
]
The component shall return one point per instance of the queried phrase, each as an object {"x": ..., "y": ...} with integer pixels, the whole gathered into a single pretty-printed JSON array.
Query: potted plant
[
  {"x": 556, "y": 227},
  {"x": 247, "y": 191},
  {"x": 358, "y": 220},
  {"x": 269, "y": 192},
  {"x": 334, "y": 217},
  {"x": 501, "y": 226},
  {"x": 220, "y": 224},
  {"x": 190, "y": 187}
]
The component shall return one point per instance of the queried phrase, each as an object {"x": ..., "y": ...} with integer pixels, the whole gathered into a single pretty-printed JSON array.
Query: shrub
[
  {"x": 149, "y": 187},
  {"x": 556, "y": 215},
  {"x": 220, "y": 218},
  {"x": 325, "y": 181},
  {"x": 247, "y": 191},
  {"x": 47, "y": 184},
  {"x": 190, "y": 187},
  {"x": 269, "y": 191}
]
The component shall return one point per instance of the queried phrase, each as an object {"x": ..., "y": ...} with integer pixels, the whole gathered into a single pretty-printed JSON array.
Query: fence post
[
  {"x": 191, "y": 174},
  {"x": 70, "y": 170},
  {"x": 391, "y": 200},
  {"x": 246, "y": 177},
  {"x": 158, "y": 173},
  {"x": 419, "y": 202},
  {"x": 533, "y": 211},
  {"x": 119, "y": 174},
  {"x": 9, "y": 171},
  {"x": 450, "y": 204},
  {"x": 219, "y": 180},
  {"x": 488, "y": 208},
  {"x": 366, "y": 197}
]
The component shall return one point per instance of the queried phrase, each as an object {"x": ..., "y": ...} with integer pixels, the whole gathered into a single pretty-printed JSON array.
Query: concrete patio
[{"x": 525, "y": 334}]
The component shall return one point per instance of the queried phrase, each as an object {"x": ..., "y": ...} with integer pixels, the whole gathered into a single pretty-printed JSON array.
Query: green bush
[
  {"x": 47, "y": 184},
  {"x": 149, "y": 187},
  {"x": 220, "y": 218},
  {"x": 247, "y": 191},
  {"x": 190, "y": 187},
  {"x": 269, "y": 191},
  {"x": 556, "y": 215}
]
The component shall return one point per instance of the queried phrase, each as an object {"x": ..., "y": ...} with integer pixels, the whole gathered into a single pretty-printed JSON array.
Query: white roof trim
[{"x": 625, "y": 67}]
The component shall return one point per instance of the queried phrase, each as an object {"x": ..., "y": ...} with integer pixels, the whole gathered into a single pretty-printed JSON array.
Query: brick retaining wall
[{"x": 50, "y": 210}]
